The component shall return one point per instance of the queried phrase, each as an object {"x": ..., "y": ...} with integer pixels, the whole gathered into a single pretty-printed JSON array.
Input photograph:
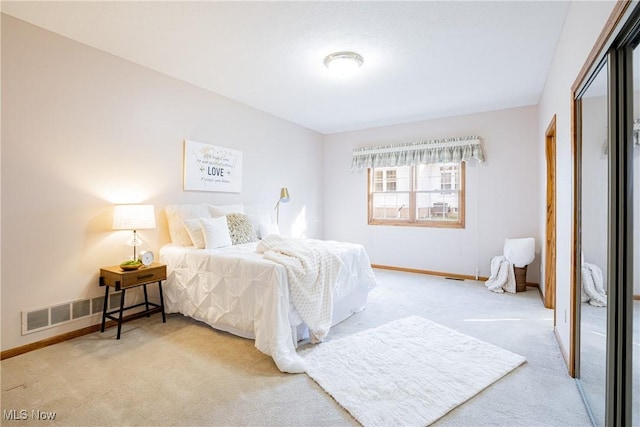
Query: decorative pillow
[
  {"x": 194, "y": 228},
  {"x": 176, "y": 214},
  {"x": 270, "y": 228},
  {"x": 256, "y": 220},
  {"x": 216, "y": 232},
  {"x": 240, "y": 229},
  {"x": 217, "y": 211}
]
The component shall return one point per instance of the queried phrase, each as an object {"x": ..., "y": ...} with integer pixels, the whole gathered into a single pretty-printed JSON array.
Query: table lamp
[{"x": 134, "y": 217}]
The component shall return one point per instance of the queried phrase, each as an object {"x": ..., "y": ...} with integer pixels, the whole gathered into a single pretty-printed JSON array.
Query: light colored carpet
[
  {"x": 184, "y": 373},
  {"x": 408, "y": 372}
]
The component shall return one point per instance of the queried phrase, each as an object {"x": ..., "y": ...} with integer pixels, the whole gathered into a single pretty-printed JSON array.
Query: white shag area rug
[{"x": 408, "y": 372}]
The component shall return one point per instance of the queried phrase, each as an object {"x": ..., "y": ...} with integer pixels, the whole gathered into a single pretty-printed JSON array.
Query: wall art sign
[{"x": 211, "y": 168}]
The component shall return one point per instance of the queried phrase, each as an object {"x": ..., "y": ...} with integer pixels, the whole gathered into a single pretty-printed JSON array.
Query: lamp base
[{"x": 134, "y": 241}]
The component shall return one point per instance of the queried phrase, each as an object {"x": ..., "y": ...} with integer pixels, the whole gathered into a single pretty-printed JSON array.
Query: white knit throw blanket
[
  {"x": 312, "y": 268},
  {"x": 502, "y": 276},
  {"x": 593, "y": 290}
]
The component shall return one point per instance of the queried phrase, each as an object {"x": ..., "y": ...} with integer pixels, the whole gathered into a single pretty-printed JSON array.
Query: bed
[{"x": 240, "y": 289}]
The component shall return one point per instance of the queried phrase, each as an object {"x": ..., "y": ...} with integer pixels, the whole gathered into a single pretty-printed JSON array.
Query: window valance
[{"x": 435, "y": 151}]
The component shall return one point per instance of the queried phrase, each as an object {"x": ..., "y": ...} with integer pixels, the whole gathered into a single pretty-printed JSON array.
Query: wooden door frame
[{"x": 550, "y": 229}]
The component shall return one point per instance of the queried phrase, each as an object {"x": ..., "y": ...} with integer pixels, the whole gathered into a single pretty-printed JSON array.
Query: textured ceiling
[{"x": 422, "y": 60}]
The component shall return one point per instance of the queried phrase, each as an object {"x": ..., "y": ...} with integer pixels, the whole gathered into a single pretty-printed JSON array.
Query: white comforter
[{"x": 238, "y": 290}]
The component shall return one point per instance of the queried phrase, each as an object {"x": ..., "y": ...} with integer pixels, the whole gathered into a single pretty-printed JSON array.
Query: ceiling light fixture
[{"x": 343, "y": 64}]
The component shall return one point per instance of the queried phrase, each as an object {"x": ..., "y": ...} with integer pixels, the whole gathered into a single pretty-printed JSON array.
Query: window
[
  {"x": 448, "y": 177},
  {"x": 430, "y": 195},
  {"x": 418, "y": 183},
  {"x": 385, "y": 180}
]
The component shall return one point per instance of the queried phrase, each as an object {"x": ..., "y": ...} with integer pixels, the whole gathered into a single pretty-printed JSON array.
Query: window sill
[{"x": 425, "y": 224}]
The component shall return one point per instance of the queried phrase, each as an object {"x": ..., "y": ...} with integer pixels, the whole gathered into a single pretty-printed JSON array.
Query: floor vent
[
  {"x": 114, "y": 301},
  {"x": 59, "y": 314},
  {"x": 35, "y": 320},
  {"x": 80, "y": 308},
  {"x": 97, "y": 304}
]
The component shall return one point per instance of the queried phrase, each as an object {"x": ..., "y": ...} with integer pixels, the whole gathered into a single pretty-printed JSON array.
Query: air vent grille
[
  {"x": 46, "y": 317},
  {"x": 97, "y": 304},
  {"x": 60, "y": 314},
  {"x": 81, "y": 308},
  {"x": 114, "y": 300},
  {"x": 37, "y": 319}
]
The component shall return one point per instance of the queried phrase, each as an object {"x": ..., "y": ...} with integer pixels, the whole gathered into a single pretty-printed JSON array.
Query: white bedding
[
  {"x": 312, "y": 269},
  {"x": 237, "y": 290}
]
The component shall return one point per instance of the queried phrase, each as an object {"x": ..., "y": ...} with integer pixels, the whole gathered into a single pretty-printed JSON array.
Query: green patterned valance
[{"x": 434, "y": 151}]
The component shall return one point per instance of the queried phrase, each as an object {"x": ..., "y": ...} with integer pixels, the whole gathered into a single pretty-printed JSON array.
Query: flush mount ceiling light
[{"x": 343, "y": 63}]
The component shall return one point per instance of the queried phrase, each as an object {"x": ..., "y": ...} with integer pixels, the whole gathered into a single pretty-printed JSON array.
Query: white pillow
[
  {"x": 194, "y": 228},
  {"x": 176, "y": 214},
  {"x": 256, "y": 220},
  {"x": 262, "y": 210},
  {"x": 216, "y": 232},
  {"x": 217, "y": 211},
  {"x": 268, "y": 228}
]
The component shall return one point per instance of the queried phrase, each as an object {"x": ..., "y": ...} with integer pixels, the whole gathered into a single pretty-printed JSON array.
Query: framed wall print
[{"x": 212, "y": 168}]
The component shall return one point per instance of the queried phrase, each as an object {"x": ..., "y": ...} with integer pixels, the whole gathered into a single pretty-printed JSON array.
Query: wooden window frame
[{"x": 412, "y": 221}]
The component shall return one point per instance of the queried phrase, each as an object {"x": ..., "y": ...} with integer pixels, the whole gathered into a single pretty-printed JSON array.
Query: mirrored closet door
[
  {"x": 593, "y": 245},
  {"x": 606, "y": 247}
]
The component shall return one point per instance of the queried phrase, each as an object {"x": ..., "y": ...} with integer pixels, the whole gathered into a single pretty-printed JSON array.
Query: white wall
[
  {"x": 83, "y": 130},
  {"x": 500, "y": 194},
  {"x": 583, "y": 24}
]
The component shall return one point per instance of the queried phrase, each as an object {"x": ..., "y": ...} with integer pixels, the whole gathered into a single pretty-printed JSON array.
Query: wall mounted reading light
[
  {"x": 284, "y": 198},
  {"x": 343, "y": 64},
  {"x": 134, "y": 217}
]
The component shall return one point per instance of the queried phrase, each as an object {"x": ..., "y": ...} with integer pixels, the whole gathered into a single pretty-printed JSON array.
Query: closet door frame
[{"x": 615, "y": 46}]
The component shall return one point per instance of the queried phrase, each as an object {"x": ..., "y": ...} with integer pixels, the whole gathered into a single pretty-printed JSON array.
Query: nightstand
[{"x": 114, "y": 277}]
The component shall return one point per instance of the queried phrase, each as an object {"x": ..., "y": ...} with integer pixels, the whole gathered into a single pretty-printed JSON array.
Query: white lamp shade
[{"x": 133, "y": 217}]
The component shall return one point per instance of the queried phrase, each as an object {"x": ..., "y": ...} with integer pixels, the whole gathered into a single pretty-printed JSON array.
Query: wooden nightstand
[{"x": 114, "y": 277}]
